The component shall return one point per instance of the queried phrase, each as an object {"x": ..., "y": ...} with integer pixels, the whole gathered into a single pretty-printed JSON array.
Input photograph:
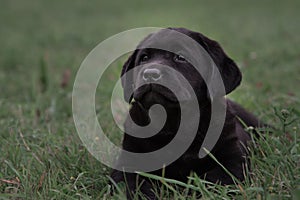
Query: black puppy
[{"x": 230, "y": 149}]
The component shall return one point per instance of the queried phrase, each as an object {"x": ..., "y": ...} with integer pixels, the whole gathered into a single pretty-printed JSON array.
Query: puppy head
[{"x": 148, "y": 66}]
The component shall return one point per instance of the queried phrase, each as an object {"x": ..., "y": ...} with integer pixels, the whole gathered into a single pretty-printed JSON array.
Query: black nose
[{"x": 151, "y": 74}]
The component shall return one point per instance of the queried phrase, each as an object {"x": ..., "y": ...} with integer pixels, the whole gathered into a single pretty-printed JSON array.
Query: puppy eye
[
  {"x": 179, "y": 58},
  {"x": 144, "y": 58}
]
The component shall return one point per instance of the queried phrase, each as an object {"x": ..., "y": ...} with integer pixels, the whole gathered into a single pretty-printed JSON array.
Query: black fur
[{"x": 230, "y": 148}]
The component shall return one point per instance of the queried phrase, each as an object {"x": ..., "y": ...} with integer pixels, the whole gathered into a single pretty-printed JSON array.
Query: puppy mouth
[{"x": 154, "y": 93}]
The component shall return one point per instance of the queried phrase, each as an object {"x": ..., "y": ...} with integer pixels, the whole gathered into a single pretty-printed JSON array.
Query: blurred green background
[{"x": 44, "y": 42}]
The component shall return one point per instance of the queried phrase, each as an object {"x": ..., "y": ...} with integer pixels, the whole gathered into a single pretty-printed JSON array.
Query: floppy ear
[
  {"x": 127, "y": 78},
  {"x": 229, "y": 71}
]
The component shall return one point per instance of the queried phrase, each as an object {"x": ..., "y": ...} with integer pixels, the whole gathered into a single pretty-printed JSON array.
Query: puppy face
[
  {"x": 151, "y": 69},
  {"x": 158, "y": 68}
]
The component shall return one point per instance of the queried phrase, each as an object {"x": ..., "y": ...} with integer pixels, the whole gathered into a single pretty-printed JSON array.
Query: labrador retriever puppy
[{"x": 230, "y": 149}]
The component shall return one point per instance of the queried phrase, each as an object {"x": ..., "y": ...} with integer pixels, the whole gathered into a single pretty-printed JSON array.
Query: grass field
[{"x": 41, "y": 155}]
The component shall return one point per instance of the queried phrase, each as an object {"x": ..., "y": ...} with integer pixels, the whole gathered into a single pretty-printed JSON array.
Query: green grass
[{"x": 41, "y": 155}]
